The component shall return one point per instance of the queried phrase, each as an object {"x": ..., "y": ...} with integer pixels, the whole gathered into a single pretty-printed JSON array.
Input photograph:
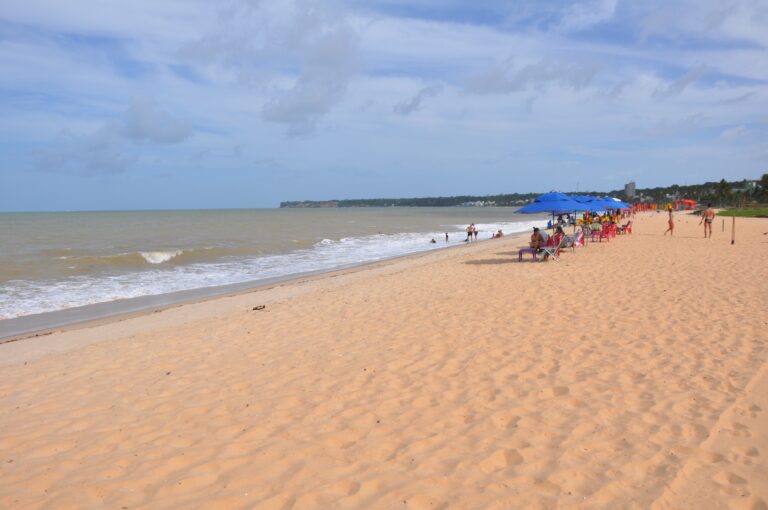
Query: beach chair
[
  {"x": 551, "y": 249},
  {"x": 574, "y": 240},
  {"x": 579, "y": 240},
  {"x": 626, "y": 229}
]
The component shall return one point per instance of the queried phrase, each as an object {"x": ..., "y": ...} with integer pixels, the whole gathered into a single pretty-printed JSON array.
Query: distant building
[
  {"x": 479, "y": 203},
  {"x": 745, "y": 187},
  {"x": 629, "y": 189}
]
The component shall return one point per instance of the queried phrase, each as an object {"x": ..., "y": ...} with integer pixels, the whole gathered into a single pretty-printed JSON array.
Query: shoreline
[{"x": 44, "y": 324}]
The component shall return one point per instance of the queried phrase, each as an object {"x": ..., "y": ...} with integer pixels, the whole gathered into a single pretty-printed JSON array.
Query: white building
[{"x": 629, "y": 189}]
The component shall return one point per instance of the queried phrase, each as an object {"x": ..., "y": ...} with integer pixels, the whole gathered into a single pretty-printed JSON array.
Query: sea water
[{"x": 56, "y": 261}]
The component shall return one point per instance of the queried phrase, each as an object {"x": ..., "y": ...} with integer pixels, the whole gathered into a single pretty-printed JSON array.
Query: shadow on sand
[
  {"x": 487, "y": 262},
  {"x": 512, "y": 258},
  {"x": 671, "y": 237}
]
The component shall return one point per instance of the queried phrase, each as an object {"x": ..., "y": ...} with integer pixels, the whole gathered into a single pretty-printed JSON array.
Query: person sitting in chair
[
  {"x": 556, "y": 239},
  {"x": 537, "y": 240}
]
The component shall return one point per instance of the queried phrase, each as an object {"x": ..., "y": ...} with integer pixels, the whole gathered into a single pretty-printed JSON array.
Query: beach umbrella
[
  {"x": 616, "y": 203},
  {"x": 601, "y": 204},
  {"x": 583, "y": 198},
  {"x": 554, "y": 203},
  {"x": 590, "y": 203}
]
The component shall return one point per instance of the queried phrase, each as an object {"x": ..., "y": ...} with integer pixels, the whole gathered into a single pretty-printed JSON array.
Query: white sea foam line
[{"x": 29, "y": 297}]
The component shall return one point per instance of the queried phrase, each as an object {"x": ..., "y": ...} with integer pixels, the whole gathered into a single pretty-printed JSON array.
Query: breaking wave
[{"x": 143, "y": 273}]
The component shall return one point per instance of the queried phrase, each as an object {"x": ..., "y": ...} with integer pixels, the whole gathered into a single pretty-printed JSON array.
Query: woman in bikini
[{"x": 671, "y": 228}]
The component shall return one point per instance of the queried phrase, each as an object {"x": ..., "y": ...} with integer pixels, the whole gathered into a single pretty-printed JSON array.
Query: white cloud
[
  {"x": 244, "y": 73},
  {"x": 328, "y": 65},
  {"x": 302, "y": 54},
  {"x": 678, "y": 86},
  {"x": 733, "y": 133},
  {"x": 108, "y": 149},
  {"x": 145, "y": 122},
  {"x": 414, "y": 104},
  {"x": 735, "y": 20},
  {"x": 582, "y": 15},
  {"x": 506, "y": 79}
]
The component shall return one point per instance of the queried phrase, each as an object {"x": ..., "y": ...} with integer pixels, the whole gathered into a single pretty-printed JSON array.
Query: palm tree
[
  {"x": 723, "y": 191},
  {"x": 761, "y": 193}
]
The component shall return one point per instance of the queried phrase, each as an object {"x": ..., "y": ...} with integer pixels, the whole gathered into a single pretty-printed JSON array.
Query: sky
[{"x": 202, "y": 104}]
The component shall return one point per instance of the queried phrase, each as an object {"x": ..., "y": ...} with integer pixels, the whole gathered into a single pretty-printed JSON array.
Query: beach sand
[{"x": 631, "y": 374}]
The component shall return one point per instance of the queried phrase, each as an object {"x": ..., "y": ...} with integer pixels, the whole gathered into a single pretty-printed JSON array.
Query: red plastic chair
[
  {"x": 601, "y": 234},
  {"x": 624, "y": 229}
]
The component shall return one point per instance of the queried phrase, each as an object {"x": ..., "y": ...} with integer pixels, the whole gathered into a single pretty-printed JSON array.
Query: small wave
[
  {"x": 102, "y": 278},
  {"x": 158, "y": 257}
]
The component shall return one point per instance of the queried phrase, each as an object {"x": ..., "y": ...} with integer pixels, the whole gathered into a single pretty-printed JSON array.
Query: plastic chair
[
  {"x": 523, "y": 251},
  {"x": 600, "y": 231}
]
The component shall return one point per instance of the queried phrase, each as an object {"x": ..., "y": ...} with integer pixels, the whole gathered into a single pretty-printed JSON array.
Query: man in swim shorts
[{"x": 707, "y": 217}]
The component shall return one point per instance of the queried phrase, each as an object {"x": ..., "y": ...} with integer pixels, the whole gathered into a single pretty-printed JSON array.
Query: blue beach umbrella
[
  {"x": 553, "y": 202},
  {"x": 589, "y": 202},
  {"x": 583, "y": 198},
  {"x": 595, "y": 204},
  {"x": 616, "y": 203}
]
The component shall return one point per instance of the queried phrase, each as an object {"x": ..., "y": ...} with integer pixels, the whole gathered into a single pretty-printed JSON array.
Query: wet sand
[{"x": 631, "y": 374}]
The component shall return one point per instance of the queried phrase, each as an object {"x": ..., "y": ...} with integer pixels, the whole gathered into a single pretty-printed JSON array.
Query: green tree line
[{"x": 722, "y": 193}]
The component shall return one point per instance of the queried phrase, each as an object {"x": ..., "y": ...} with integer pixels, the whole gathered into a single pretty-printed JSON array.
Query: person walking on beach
[
  {"x": 470, "y": 230},
  {"x": 707, "y": 217},
  {"x": 671, "y": 228}
]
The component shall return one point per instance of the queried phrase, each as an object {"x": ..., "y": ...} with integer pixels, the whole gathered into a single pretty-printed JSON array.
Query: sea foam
[
  {"x": 25, "y": 297},
  {"x": 158, "y": 257}
]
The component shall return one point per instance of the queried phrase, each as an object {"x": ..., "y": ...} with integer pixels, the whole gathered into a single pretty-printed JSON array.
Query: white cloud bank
[{"x": 532, "y": 95}]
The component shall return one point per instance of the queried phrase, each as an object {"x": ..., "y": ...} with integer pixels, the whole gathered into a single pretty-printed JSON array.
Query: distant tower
[{"x": 629, "y": 189}]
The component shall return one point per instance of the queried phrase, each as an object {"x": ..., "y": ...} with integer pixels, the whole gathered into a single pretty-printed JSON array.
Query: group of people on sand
[
  {"x": 614, "y": 216},
  {"x": 472, "y": 233},
  {"x": 707, "y": 218}
]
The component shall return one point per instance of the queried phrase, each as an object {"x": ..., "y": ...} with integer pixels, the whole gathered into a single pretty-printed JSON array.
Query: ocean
[{"x": 56, "y": 261}]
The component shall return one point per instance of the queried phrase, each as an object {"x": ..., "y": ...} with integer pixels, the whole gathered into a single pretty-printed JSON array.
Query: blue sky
[{"x": 201, "y": 104}]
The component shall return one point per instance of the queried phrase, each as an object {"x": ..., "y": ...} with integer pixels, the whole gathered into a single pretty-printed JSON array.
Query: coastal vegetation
[
  {"x": 723, "y": 194},
  {"x": 757, "y": 212}
]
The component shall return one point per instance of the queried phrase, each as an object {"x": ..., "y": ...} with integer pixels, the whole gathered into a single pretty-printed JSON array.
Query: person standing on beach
[
  {"x": 671, "y": 228},
  {"x": 708, "y": 216},
  {"x": 474, "y": 231},
  {"x": 446, "y": 237},
  {"x": 470, "y": 230}
]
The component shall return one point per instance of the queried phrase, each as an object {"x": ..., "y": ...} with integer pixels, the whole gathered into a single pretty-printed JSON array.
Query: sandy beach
[{"x": 631, "y": 374}]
